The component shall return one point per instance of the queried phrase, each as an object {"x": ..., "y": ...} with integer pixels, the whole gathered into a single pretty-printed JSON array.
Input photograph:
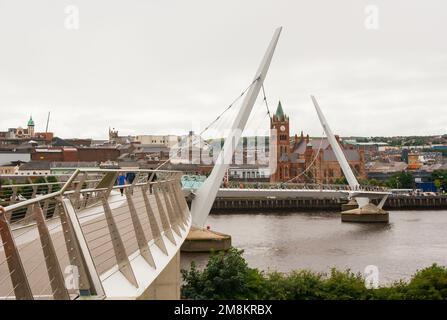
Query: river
[{"x": 319, "y": 241}]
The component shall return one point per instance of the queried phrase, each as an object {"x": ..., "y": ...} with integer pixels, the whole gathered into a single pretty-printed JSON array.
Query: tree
[
  {"x": 440, "y": 179},
  {"x": 428, "y": 284},
  {"x": 53, "y": 179},
  {"x": 43, "y": 186},
  {"x": 401, "y": 180},
  {"x": 375, "y": 182},
  {"x": 341, "y": 180},
  {"x": 226, "y": 276},
  {"x": 5, "y": 193}
]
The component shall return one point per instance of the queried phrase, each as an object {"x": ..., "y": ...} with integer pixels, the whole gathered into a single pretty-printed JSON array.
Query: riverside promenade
[{"x": 400, "y": 202}]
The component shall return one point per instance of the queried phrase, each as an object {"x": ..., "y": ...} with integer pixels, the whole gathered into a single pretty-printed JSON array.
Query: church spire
[
  {"x": 31, "y": 122},
  {"x": 280, "y": 112}
]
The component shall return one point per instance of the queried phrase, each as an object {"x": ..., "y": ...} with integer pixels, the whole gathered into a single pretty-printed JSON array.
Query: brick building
[
  {"x": 98, "y": 154},
  {"x": 71, "y": 154},
  {"x": 308, "y": 160}
]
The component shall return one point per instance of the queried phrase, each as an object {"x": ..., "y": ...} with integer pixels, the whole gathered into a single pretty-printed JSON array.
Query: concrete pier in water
[{"x": 205, "y": 240}]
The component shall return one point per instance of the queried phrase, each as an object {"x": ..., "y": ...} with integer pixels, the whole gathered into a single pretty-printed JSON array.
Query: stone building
[
  {"x": 20, "y": 132},
  {"x": 20, "y": 135},
  {"x": 302, "y": 159}
]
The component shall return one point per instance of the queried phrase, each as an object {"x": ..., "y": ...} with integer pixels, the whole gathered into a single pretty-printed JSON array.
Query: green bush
[
  {"x": 227, "y": 276},
  {"x": 428, "y": 284}
]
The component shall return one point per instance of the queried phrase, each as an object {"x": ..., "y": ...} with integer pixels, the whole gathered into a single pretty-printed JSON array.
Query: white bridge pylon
[
  {"x": 206, "y": 194},
  {"x": 347, "y": 171}
]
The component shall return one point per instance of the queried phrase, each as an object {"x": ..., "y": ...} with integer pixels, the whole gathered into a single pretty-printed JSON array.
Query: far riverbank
[{"x": 229, "y": 205}]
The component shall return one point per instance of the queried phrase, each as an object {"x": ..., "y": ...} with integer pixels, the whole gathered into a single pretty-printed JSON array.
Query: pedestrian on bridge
[
  {"x": 130, "y": 177},
  {"x": 121, "y": 182}
]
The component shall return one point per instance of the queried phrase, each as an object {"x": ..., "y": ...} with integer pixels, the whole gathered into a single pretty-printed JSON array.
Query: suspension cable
[
  {"x": 218, "y": 117},
  {"x": 311, "y": 163},
  {"x": 265, "y": 100},
  {"x": 229, "y": 107}
]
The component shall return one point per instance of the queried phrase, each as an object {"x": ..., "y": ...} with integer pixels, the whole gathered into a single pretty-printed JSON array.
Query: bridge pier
[
  {"x": 352, "y": 204},
  {"x": 203, "y": 240},
  {"x": 167, "y": 284},
  {"x": 370, "y": 213}
]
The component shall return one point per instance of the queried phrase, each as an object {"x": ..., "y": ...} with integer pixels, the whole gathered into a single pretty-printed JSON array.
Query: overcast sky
[{"x": 168, "y": 66}]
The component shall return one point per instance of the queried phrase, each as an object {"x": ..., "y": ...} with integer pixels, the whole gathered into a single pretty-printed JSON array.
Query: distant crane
[{"x": 48, "y": 121}]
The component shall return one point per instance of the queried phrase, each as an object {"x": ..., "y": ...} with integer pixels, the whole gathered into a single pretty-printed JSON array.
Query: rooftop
[{"x": 35, "y": 165}]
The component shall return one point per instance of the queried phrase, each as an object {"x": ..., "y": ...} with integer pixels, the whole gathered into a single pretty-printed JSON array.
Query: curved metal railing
[{"x": 70, "y": 243}]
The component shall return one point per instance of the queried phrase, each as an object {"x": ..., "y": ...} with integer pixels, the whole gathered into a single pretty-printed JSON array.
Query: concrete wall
[{"x": 167, "y": 285}]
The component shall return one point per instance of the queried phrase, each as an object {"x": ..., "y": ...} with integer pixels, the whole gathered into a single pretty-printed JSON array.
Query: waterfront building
[
  {"x": 21, "y": 132},
  {"x": 72, "y": 154},
  {"x": 303, "y": 159},
  {"x": 249, "y": 173},
  {"x": 8, "y": 169},
  {"x": 35, "y": 168},
  {"x": 157, "y": 140},
  {"x": 19, "y": 135}
]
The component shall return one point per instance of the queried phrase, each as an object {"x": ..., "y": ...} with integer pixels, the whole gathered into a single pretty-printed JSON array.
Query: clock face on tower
[{"x": 282, "y": 128}]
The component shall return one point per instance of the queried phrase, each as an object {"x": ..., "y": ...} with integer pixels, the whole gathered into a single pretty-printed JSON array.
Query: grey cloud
[{"x": 161, "y": 66}]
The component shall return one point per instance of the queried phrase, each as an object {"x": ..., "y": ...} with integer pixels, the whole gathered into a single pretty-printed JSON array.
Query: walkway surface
[{"x": 97, "y": 235}]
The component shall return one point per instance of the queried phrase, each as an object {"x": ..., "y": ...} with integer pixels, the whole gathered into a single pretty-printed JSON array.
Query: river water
[{"x": 319, "y": 241}]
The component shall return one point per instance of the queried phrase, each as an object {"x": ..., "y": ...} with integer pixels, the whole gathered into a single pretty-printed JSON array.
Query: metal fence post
[
  {"x": 182, "y": 202},
  {"x": 14, "y": 195},
  {"x": 77, "y": 194},
  {"x": 155, "y": 229},
  {"x": 139, "y": 233},
  {"x": 175, "y": 205},
  {"x": 120, "y": 252},
  {"x": 74, "y": 252},
  {"x": 83, "y": 247},
  {"x": 22, "y": 290},
  {"x": 53, "y": 267},
  {"x": 29, "y": 211},
  {"x": 163, "y": 217},
  {"x": 47, "y": 202},
  {"x": 172, "y": 218}
]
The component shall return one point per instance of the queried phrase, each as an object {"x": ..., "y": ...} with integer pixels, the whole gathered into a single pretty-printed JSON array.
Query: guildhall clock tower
[{"x": 279, "y": 131}]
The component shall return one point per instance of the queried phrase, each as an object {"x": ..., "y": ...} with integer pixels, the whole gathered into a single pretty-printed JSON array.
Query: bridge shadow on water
[{"x": 371, "y": 228}]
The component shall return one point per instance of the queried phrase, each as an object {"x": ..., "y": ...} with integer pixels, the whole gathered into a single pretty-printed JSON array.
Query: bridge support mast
[
  {"x": 366, "y": 212},
  {"x": 199, "y": 239},
  {"x": 206, "y": 194}
]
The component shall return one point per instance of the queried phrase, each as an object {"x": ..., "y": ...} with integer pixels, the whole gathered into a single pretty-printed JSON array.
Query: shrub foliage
[{"x": 228, "y": 276}]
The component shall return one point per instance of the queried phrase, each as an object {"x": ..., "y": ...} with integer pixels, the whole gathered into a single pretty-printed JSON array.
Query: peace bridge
[{"x": 84, "y": 237}]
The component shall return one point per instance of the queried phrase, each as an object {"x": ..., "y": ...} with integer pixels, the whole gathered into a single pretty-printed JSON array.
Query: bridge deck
[
  {"x": 296, "y": 193},
  {"x": 96, "y": 232}
]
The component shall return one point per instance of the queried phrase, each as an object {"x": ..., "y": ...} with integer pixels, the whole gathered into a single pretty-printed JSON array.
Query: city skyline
[{"x": 149, "y": 69}]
